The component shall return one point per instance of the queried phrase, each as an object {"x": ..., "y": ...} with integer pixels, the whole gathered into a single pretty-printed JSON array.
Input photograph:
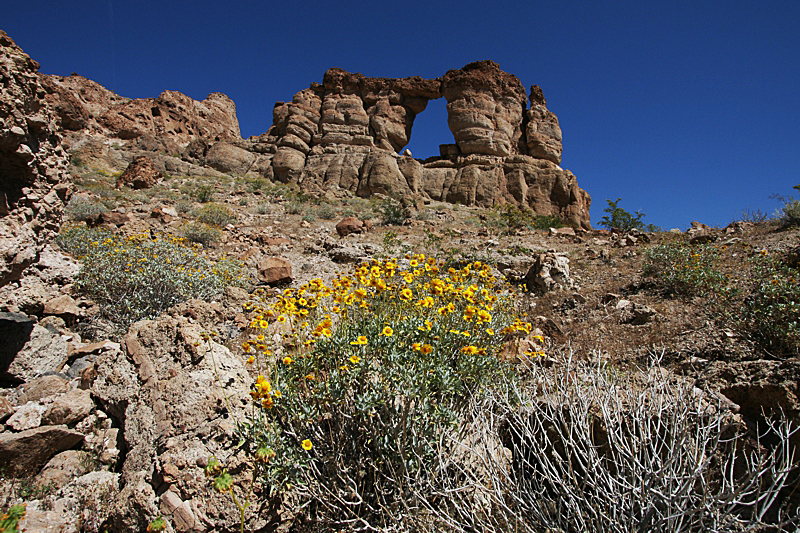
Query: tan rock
[
  {"x": 26, "y": 452},
  {"x": 274, "y": 271},
  {"x": 70, "y": 408},
  {"x": 64, "y": 467},
  {"x": 35, "y": 182},
  {"x": 42, "y": 387},
  {"x": 349, "y": 225},
  {"x": 63, "y": 306},
  {"x": 45, "y": 351}
]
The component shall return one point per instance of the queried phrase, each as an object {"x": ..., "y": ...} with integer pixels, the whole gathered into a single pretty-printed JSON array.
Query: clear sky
[{"x": 686, "y": 109}]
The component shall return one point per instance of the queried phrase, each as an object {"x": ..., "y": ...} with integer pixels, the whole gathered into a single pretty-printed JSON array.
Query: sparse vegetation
[
  {"x": 81, "y": 208},
  {"x": 789, "y": 213},
  {"x": 508, "y": 219},
  {"x": 393, "y": 212},
  {"x": 681, "y": 269}
]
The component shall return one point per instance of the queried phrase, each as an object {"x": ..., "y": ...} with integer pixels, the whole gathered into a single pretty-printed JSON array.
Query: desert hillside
[{"x": 311, "y": 330}]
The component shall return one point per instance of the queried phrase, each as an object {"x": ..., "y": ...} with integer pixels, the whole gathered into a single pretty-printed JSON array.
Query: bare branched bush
[{"x": 588, "y": 448}]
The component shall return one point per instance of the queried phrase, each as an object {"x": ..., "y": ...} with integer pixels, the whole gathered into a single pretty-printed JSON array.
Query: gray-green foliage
[
  {"x": 81, "y": 208},
  {"x": 215, "y": 215},
  {"x": 138, "y": 277}
]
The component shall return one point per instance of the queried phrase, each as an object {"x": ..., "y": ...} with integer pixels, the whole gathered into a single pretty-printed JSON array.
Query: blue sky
[{"x": 687, "y": 110}]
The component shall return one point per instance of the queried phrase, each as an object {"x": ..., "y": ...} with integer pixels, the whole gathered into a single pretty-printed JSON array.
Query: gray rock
[{"x": 44, "y": 351}]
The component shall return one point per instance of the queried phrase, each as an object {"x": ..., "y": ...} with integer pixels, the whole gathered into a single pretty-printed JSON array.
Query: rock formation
[
  {"x": 34, "y": 178},
  {"x": 345, "y": 135}
]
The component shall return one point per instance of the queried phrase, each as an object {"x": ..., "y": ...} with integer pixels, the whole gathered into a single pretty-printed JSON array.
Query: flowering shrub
[
  {"x": 768, "y": 307},
  {"x": 681, "y": 269},
  {"x": 373, "y": 372},
  {"x": 138, "y": 277}
]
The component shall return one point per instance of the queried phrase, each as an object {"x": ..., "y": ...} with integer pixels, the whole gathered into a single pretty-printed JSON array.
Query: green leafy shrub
[
  {"x": 685, "y": 270},
  {"x": 9, "y": 521},
  {"x": 767, "y": 308},
  {"x": 621, "y": 219},
  {"x": 201, "y": 233},
  {"x": 81, "y": 208},
  {"x": 138, "y": 277},
  {"x": 215, "y": 215},
  {"x": 375, "y": 370},
  {"x": 393, "y": 212}
]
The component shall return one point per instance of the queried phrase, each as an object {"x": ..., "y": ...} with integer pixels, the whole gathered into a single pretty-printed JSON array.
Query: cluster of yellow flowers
[{"x": 423, "y": 308}]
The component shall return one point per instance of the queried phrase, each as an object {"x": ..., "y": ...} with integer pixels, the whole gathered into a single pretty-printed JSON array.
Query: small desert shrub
[
  {"x": 295, "y": 207},
  {"x": 547, "y": 221},
  {"x": 264, "y": 208},
  {"x": 789, "y": 213},
  {"x": 138, "y": 277},
  {"x": 393, "y": 212},
  {"x": 767, "y": 307},
  {"x": 325, "y": 211},
  {"x": 215, "y": 215},
  {"x": 256, "y": 184},
  {"x": 201, "y": 233},
  {"x": 374, "y": 373},
  {"x": 183, "y": 206},
  {"x": 509, "y": 218},
  {"x": 203, "y": 193},
  {"x": 308, "y": 218},
  {"x": 619, "y": 218},
  {"x": 81, "y": 208},
  {"x": 678, "y": 268}
]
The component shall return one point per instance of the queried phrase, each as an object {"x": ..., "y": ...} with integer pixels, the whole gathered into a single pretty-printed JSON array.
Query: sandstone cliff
[{"x": 345, "y": 134}]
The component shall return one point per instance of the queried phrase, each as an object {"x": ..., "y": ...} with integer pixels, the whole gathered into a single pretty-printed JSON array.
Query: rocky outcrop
[
  {"x": 344, "y": 135},
  {"x": 34, "y": 180},
  {"x": 485, "y": 108},
  {"x": 173, "y": 117}
]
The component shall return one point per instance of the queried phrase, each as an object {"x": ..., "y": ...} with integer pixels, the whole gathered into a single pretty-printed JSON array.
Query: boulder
[
  {"x": 63, "y": 306},
  {"x": 142, "y": 173},
  {"x": 349, "y": 225},
  {"x": 69, "y": 408},
  {"x": 274, "y": 271},
  {"x": 550, "y": 271},
  {"x": 44, "y": 351},
  {"x": 27, "y": 451}
]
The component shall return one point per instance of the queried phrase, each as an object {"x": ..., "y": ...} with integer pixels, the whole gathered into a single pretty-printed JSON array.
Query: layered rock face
[
  {"x": 34, "y": 176},
  {"x": 345, "y": 135}
]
